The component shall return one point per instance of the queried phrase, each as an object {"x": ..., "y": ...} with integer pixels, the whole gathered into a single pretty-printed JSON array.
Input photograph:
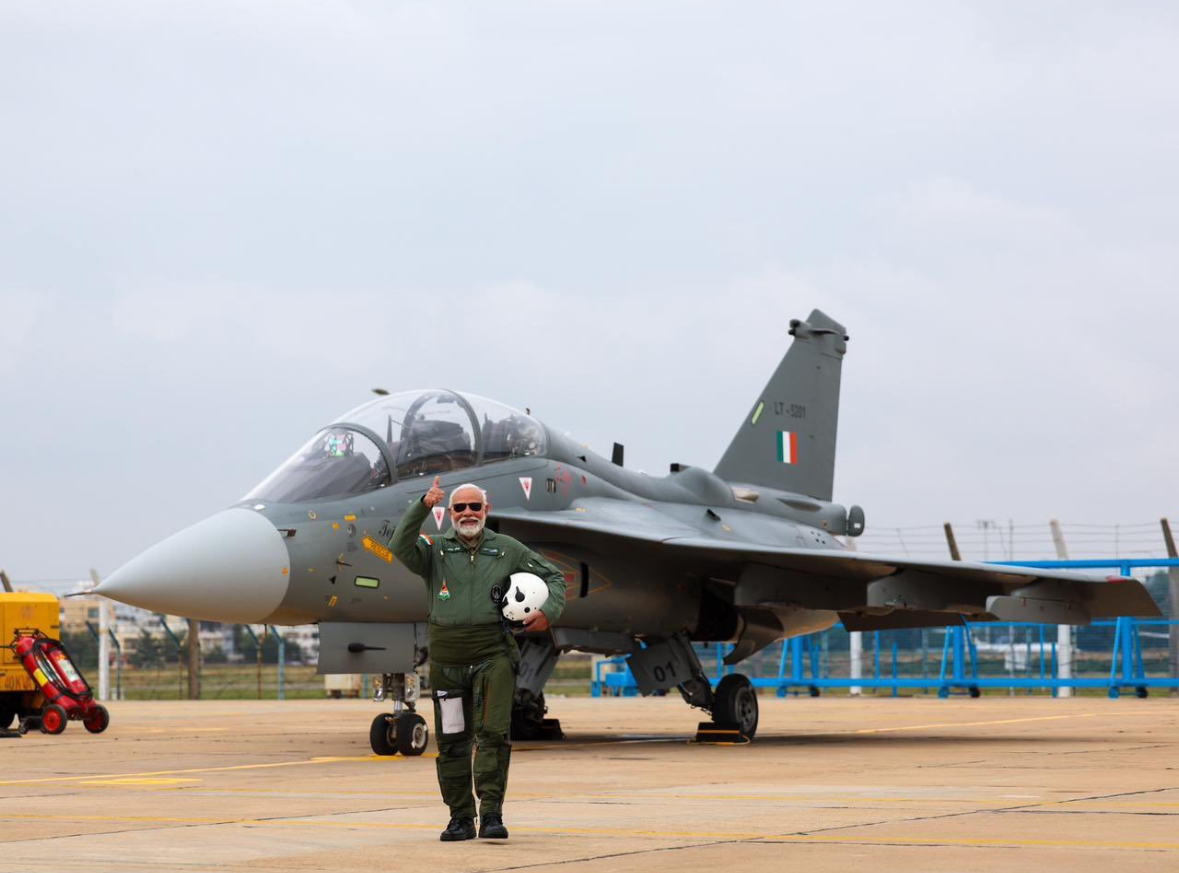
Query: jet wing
[{"x": 891, "y": 585}]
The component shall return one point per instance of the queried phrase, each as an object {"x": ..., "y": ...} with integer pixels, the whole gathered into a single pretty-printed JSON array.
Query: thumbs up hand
[{"x": 435, "y": 495}]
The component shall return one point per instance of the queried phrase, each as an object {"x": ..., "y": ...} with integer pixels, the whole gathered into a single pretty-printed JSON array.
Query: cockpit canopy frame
[{"x": 402, "y": 436}]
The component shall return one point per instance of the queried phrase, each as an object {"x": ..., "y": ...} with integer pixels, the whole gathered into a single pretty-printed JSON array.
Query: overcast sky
[{"x": 223, "y": 223}]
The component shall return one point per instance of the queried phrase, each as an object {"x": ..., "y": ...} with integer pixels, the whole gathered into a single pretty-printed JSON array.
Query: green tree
[
  {"x": 1159, "y": 586},
  {"x": 249, "y": 651},
  {"x": 83, "y": 649},
  {"x": 147, "y": 651},
  {"x": 172, "y": 651}
]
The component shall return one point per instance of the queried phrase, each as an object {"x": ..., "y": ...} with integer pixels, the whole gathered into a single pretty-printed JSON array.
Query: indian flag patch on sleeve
[{"x": 787, "y": 447}]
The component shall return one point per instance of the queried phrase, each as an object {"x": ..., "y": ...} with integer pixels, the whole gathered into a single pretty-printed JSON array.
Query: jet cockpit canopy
[{"x": 412, "y": 433}]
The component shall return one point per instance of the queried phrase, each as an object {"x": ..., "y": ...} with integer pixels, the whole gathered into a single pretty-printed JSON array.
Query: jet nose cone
[{"x": 231, "y": 567}]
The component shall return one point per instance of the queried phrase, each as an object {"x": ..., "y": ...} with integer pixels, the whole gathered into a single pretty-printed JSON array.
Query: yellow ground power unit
[{"x": 22, "y": 610}]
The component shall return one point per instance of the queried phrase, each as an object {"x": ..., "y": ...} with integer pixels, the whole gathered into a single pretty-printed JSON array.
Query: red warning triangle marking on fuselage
[
  {"x": 439, "y": 514},
  {"x": 526, "y": 484}
]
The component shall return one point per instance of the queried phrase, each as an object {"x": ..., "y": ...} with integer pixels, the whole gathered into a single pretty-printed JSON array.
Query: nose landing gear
[
  {"x": 406, "y": 733},
  {"x": 401, "y": 730}
]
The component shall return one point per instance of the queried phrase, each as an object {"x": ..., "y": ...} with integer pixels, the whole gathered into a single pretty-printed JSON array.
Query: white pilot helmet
[{"x": 526, "y": 593}]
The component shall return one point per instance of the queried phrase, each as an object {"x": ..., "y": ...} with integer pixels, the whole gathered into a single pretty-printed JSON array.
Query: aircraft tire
[
  {"x": 382, "y": 734},
  {"x": 412, "y": 734},
  {"x": 735, "y": 702},
  {"x": 53, "y": 719}
]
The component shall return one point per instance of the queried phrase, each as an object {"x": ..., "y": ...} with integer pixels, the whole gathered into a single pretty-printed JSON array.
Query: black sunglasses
[{"x": 461, "y": 507}]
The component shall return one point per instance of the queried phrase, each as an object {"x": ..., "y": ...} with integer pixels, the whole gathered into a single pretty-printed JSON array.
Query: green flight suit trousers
[{"x": 487, "y": 690}]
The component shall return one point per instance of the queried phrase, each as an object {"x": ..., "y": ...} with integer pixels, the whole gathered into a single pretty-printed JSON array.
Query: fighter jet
[{"x": 747, "y": 553}]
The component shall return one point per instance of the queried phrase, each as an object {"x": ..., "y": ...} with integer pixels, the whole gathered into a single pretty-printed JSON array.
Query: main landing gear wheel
[
  {"x": 735, "y": 702},
  {"x": 97, "y": 719},
  {"x": 53, "y": 719},
  {"x": 382, "y": 734},
  {"x": 412, "y": 734}
]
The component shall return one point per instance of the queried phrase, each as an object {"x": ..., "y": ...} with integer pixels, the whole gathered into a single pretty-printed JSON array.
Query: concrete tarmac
[{"x": 829, "y": 784}]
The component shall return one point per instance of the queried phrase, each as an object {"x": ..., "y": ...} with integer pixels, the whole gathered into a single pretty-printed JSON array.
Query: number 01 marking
[{"x": 662, "y": 674}]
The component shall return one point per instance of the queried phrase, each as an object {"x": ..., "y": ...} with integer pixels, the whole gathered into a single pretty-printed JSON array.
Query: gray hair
[{"x": 466, "y": 485}]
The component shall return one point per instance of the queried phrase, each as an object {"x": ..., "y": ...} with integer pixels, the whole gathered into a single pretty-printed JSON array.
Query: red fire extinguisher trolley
[{"x": 67, "y": 695}]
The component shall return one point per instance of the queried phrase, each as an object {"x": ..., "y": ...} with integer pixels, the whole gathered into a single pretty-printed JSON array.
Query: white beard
[{"x": 471, "y": 528}]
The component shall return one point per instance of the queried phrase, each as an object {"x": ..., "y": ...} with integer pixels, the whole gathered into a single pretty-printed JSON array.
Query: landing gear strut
[
  {"x": 528, "y": 716},
  {"x": 732, "y": 704},
  {"x": 401, "y": 730},
  {"x": 538, "y": 659}
]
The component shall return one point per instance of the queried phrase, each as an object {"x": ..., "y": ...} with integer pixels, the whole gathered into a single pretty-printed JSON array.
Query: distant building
[
  {"x": 128, "y": 622},
  {"x": 77, "y": 612},
  {"x": 307, "y": 637}
]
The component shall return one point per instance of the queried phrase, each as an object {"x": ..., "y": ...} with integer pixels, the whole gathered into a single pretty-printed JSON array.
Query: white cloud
[
  {"x": 21, "y": 314},
  {"x": 943, "y": 209}
]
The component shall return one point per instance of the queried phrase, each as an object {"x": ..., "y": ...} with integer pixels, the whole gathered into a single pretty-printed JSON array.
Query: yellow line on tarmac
[
  {"x": 618, "y": 832},
  {"x": 140, "y": 783},
  {"x": 638, "y": 797},
  {"x": 94, "y": 776},
  {"x": 950, "y": 724},
  {"x": 979, "y": 842},
  {"x": 136, "y": 732}
]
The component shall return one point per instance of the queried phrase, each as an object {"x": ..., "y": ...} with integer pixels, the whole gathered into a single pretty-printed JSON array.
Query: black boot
[
  {"x": 491, "y": 827},
  {"x": 458, "y": 829}
]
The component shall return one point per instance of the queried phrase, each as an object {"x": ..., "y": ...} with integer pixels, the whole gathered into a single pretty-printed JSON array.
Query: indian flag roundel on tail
[{"x": 787, "y": 447}]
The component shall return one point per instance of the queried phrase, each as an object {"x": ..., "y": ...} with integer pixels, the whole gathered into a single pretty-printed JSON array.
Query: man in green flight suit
[{"x": 473, "y": 656}]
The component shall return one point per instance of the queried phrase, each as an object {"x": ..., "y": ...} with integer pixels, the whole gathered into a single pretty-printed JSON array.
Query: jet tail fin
[{"x": 788, "y": 439}]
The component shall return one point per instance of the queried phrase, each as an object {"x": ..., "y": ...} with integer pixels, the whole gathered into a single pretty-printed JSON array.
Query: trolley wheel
[
  {"x": 97, "y": 719},
  {"x": 53, "y": 719},
  {"x": 412, "y": 734},
  {"x": 735, "y": 702},
  {"x": 1142, "y": 692},
  {"x": 382, "y": 734},
  {"x": 975, "y": 691}
]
